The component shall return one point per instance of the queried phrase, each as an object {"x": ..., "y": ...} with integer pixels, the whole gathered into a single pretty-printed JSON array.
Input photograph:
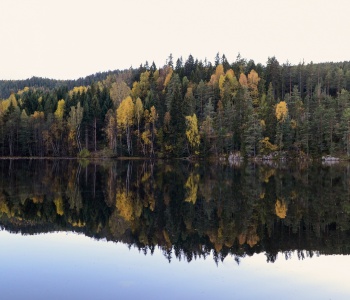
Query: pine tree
[
  {"x": 177, "y": 119},
  {"x": 252, "y": 135}
]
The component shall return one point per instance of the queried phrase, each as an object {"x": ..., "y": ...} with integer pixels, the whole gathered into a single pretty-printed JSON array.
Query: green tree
[
  {"x": 268, "y": 114},
  {"x": 177, "y": 119},
  {"x": 345, "y": 130},
  {"x": 252, "y": 135}
]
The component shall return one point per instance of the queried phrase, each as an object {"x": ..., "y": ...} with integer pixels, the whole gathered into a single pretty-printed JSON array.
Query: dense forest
[
  {"x": 184, "y": 108},
  {"x": 186, "y": 209}
]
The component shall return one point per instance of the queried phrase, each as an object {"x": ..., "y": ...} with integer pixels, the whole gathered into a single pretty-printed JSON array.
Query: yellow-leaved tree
[
  {"x": 192, "y": 133},
  {"x": 215, "y": 78},
  {"x": 266, "y": 146},
  {"x": 228, "y": 85},
  {"x": 243, "y": 80},
  {"x": 60, "y": 110},
  {"x": 125, "y": 120},
  {"x": 281, "y": 111},
  {"x": 169, "y": 74},
  {"x": 78, "y": 89},
  {"x": 144, "y": 84},
  {"x": 281, "y": 116},
  {"x": 129, "y": 207},
  {"x": 253, "y": 81}
]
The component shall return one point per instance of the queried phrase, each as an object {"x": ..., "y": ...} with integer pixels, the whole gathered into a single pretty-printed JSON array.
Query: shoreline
[{"x": 229, "y": 158}]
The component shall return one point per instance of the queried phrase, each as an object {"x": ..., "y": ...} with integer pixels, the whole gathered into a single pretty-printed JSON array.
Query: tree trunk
[
  {"x": 86, "y": 137},
  {"x": 95, "y": 130}
]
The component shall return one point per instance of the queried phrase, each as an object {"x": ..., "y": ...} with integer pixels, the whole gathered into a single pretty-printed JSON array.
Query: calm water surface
[{"x": 173, "y": 230}]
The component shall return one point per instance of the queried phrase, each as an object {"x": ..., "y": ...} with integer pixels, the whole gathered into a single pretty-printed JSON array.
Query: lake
[{"x": 173, "y": 230}]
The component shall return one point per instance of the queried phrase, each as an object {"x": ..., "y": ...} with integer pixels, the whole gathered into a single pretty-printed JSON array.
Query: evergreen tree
[{"x": 177, "y": 119}]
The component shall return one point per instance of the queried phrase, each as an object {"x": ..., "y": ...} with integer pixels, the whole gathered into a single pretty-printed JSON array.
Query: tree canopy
[{"x": 193, "y": 108}]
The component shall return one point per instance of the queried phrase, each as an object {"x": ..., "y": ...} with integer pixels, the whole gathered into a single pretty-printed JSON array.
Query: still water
[{"x": 173, "y": 230}]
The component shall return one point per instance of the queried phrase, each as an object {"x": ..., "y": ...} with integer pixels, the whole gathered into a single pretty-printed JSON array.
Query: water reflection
[{"x": 187, "y": 210}]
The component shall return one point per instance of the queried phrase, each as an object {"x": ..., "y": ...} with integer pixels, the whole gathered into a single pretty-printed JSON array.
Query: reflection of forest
[{"x": 187, "y": 210}]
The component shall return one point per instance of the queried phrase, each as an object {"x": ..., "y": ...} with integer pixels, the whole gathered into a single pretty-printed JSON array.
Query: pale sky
[{"x": 67, "y": 39}]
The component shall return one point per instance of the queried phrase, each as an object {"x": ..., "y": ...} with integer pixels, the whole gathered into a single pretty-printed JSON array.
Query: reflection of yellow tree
[
  {"x": 249, "y": 236},
  {"x": 3, "y": 206},
  {"x": 129, "y": 208},
  {"x": 224, "y": 235},
  {"x": 252, "y": 239},
  {"x": 150, "y": 201},
  {"x": 124, "y": 205},
  {"x": 78, "y": 223},
  {"x": 281, "y": 208},
  {"x": 216, "y": 238},
  {"x": 59, "y": 205},
  {"x": 38, "y": 199},
  {"x": 266, "y": 174},
  {"x": 192, "y": 188},
  {"x": 167, "y": 239}
]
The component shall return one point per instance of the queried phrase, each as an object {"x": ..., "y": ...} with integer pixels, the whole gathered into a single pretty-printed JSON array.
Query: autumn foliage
[{"x": 184, "y": 108}]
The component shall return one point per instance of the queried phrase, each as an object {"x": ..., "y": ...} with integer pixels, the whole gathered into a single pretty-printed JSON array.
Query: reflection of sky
[{"x": 71, "y": 266}]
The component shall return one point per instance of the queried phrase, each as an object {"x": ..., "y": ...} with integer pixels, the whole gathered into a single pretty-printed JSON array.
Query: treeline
[
  {"x": 185, "y": 108},
  {"x": 7, "y": 87},
  {"x": 187, "y": 211}
]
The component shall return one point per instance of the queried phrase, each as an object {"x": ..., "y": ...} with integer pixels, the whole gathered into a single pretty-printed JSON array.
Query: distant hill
[{"x": 12, "y": 86}]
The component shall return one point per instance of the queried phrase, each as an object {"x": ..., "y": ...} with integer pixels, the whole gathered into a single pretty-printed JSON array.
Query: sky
[
  {"x": 65, "y": 265},
  {"x": 68, "y": 39}
]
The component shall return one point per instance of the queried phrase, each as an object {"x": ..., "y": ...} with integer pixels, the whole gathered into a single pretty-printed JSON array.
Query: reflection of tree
[
  {"x": 249, "y": 237},
  {"x": 59, "y": 205},
  {"x": 126, "y": 206},
  {"x": 117, "y": 225},
  {"x": 281, "y": 208},
  {"x": 148, "y": 185},
  {"x": 4, "y": 209},
  {"x": 73, "y": 190},
  {"x": 142, "y": 204},
  {"x": 191, "y": 186}
]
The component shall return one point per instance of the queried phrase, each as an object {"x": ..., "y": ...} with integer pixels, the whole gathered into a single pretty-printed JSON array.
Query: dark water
[{"x": 173, "y": 230}]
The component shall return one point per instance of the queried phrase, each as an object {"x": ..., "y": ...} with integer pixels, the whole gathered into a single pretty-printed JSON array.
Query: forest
[{"x": 186, "y": 108}]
